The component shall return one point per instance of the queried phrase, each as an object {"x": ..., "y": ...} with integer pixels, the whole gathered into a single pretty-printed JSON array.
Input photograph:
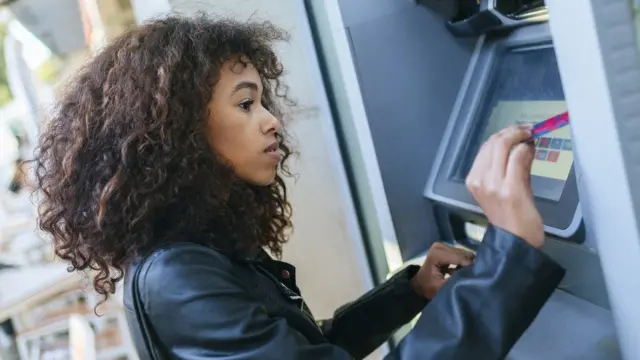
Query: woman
[{"x": 166, "y": 159}]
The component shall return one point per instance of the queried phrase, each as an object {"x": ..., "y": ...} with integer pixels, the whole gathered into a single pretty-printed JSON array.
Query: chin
[{"x": 263, "y": 180}]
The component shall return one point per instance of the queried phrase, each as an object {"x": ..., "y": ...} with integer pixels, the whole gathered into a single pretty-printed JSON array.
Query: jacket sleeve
[
  {"x": 355, "y": 328},
  {"x": 484, "y": 309}
]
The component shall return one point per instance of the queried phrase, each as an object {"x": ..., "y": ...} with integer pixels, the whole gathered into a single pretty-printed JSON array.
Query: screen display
[
  {"x": 554, "y": 158},
  {"x": 526, "y": 88}
]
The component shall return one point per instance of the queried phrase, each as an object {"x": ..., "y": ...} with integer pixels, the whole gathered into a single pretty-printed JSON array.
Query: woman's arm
[
  {"x": 483, "y": 309},
  {"x": 362, "y": 326}
]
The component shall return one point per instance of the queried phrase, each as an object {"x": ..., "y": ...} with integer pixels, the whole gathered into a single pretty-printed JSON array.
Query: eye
[{"x": 246, "y": 104}]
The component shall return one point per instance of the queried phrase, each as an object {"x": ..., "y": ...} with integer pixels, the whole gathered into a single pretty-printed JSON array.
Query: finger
[
  {"x": 520, "y": 162},
  {"x": 468, "y": 255},
  {"x": 442, "y": 247},
  {"x": 504, "y": 142},
  {"x": 445, "y": 255}
]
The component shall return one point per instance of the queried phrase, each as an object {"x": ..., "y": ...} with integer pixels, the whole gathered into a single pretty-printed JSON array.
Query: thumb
[{"x": 520, "y": 162}]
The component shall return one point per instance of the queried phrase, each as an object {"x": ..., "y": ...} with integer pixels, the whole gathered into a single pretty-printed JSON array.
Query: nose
[{"x": 270, "y": 124}]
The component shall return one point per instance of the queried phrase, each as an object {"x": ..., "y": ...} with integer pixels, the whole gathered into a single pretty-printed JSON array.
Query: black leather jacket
[{"x": 205, "y": 305}]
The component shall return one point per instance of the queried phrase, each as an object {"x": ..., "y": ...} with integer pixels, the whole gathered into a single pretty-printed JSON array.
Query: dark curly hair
[{"x": 124, "y": 165}]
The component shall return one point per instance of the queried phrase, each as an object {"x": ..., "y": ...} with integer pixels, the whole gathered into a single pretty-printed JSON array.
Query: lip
[
  {"x": 273, "y": 150},
  {"x": 272, "y": 147}
]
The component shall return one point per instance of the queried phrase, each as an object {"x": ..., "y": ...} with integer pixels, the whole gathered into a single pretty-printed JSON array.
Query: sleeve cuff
[
  {"x": 402, "y": 286},
  {"x": 519, "y": 251}
]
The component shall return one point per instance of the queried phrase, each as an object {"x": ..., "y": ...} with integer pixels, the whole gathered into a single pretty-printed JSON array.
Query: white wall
[{"x": 326, "y": 247}]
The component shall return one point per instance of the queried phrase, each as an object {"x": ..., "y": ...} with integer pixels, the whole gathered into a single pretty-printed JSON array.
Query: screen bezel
[{"x": 561, "y": 218}]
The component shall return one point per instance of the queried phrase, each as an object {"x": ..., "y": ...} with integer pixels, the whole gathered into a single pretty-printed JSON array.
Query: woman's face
[{"x": 241, "y": 130}]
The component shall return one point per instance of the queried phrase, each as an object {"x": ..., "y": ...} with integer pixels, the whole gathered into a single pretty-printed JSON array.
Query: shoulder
[
  {"x": 192, "y": 294},
  {"x": 171, "y": 272},
  {"x": 173, "y": 259}
]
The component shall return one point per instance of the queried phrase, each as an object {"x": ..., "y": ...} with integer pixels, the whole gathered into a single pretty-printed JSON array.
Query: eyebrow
[{"x": 246, "y": 85}]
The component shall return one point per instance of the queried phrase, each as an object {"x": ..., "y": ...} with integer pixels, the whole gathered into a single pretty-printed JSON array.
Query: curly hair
[{"x": 124, "y": 165}]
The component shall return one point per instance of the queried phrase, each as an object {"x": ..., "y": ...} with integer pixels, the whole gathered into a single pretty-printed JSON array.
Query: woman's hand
[
  {"x": 432, "y": 274},
  {"x": 500, "y": 181}
]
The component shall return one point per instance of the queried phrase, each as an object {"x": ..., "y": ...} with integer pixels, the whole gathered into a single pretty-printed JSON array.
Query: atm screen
[
  {"x": 512, "y": 78},
  {"x": 527, "y": 89},
  {"x": 553, "y": 158}
]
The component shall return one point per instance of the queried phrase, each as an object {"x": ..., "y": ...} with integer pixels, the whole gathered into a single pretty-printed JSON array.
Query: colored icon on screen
[
  {"x": 541, "y": 155},
  {"x": 556, "y": 144},
  {"x": 553, "y": 156},
  {"x": 544, "y": 142}
]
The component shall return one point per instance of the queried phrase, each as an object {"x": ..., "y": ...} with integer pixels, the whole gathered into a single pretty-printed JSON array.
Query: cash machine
[
  {"x": 513, "y": 77},
  {"x": 437, "y": 78}
]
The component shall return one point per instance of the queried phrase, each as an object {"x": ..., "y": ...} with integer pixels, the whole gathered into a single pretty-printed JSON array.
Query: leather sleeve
[
  {"x": 205, "y": 312},
  {"x": 362, "y": 326},
  {"x": 483, "y": 309}
]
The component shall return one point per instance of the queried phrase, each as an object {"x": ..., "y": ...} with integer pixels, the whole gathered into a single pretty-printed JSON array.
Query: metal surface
[
  {"x": 601, "y": 73},
  {"x": 568, "y": 327},
  {"x": 350, "y": 118},
  {"x": 409, "y": 69}
]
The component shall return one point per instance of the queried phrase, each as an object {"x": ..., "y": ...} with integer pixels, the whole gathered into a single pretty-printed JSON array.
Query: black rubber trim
[{"x": 474, "y": 25}]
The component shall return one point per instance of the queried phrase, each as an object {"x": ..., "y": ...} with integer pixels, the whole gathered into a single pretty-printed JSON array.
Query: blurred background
[{"x": 43, "y": 42}]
